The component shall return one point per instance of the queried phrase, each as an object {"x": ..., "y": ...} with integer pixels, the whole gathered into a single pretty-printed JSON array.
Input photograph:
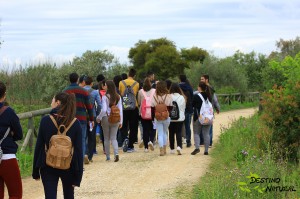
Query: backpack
[
  {"x": 174, "y": 114},
  {"x": 114, "y": 116},
  {"x": 60, "y": 152},
  {"x": 129, "y": 99},
  {"x": 161, "y": 110},
  {"x": 206, "y": 115},
  {"x": 6, "y": 133},
  {"x": 146, "y": 105}
]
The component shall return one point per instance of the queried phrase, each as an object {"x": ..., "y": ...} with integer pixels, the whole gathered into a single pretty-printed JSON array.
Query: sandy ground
[{"x": 140, "y": 174}]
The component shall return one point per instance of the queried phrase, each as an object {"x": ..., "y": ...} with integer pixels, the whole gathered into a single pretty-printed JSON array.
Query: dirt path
[{"x": 139, "y": 174}]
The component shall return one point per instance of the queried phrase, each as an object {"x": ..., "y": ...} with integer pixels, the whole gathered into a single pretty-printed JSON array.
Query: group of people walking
[{"x": 113, "y": 109}]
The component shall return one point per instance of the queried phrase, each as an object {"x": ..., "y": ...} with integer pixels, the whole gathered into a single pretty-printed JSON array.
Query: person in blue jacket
[
  {"x": 9, "y": 169},
  {"x": 63, "y": 110}
]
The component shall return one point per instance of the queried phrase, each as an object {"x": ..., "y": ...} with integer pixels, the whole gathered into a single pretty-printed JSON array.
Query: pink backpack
[{"x": 146, "y": 105}]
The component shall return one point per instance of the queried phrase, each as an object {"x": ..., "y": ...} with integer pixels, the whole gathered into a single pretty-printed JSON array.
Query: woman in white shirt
[
  {"x": 178, "y": 117},
  {"x": 110, "y": 130}
]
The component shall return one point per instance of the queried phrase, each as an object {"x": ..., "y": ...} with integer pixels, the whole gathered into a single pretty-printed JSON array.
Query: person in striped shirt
[{"x": 83, "y": 106}]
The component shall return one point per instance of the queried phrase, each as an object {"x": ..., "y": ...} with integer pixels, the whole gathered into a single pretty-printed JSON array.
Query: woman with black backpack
[
  {"x": 177, "y": 117},
  {"x": 62, "y": 113}
]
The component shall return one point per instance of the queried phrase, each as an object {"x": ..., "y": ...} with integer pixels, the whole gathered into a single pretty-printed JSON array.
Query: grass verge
[{"x": 240, "y": 170}]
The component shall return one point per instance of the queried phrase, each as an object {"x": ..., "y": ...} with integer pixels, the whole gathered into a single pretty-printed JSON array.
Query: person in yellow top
[{"x": 128, "y": 90}]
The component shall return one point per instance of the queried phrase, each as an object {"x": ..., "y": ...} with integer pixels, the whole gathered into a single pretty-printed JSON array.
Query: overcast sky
[{"x": 37, "y": 30}]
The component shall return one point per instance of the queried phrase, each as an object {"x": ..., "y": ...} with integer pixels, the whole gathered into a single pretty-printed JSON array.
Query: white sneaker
[
  {"x": 146, "y": 151},
  {"x": 178, "y": 150},
  {"x": 183, "y": 141},
  {"x": 150, "y": 145},
  {"x": 172, "y": 151}
]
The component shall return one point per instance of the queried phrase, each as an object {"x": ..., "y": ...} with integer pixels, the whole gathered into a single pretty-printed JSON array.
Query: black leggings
[{"x": 175, "y": 129}]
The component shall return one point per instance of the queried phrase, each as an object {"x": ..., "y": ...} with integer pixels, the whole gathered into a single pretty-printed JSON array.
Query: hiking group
[{"x": 110, "y": 112}]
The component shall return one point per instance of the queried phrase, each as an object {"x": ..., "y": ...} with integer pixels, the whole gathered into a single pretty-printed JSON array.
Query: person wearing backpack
[
  {"x": 145, "y": 98},
  {"x": 129, "y": 89},
  {"x": 197, "y": 126},
  {"x": 177, "y": 117},
  {"x": 10, "y": 132},
  {"x": 91, "y": 131},
  {"x": 61, "y": 120},
  {"x": 215, "y": 103},
  {"x": 111, "y": 118},
  {"x": 188, "y": 92},
  {"x": 160, "y": 107}
]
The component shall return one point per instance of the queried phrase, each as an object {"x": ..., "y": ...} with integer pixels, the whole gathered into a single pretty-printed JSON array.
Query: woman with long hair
[
  {"x": 63, "y": 111},
  {"x": 111, "y": 98},
  {"x": 177, "y": 123},
  {"x": 197, "y": 127},
  {"x": 148, "y": 134},
  {"x": 10, "y": 132},
  {"x": 162, "y": 96}
]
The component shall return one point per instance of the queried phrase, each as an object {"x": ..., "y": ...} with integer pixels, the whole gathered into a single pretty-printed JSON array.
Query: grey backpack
[{"x": 128, "y": 98}]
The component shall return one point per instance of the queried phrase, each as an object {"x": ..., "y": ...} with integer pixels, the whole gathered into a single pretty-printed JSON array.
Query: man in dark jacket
[{"x": 188, "y": 92}]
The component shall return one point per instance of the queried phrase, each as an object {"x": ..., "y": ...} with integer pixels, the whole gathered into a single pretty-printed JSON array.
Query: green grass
[
  {"x": 236, "y": 159},
  {"x": 238, "y": 105}
]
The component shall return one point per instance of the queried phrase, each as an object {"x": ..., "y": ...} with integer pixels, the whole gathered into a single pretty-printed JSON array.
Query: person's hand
[
  {"x": 98, "y": 120},
  {"x": 93, "y": 123},
  {"x": 120, "y": 126}
]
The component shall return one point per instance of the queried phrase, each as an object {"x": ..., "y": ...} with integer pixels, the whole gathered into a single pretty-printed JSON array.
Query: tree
[
  {"x": 194, "y": 54},
  {"x": 253, "y": 65},
  {"x": 286, "y": 47},
  {"x": 93, "y": 63},
  {"x": 158, "y": 55}
]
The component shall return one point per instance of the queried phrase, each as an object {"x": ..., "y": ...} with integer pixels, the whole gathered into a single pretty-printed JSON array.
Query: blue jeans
[
  {"x": 162, "y": 130},
  {"x": 211, "y": 135},
  {"x": 83, "y": 129},
  {"x": 187, "y": 125}
]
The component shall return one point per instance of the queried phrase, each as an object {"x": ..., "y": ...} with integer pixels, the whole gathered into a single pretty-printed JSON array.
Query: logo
[{"x": 264, "y": 184}]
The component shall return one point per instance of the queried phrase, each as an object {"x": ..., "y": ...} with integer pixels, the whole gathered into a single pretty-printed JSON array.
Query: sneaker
[
  {"x": 116, "y": 158},
  {"x": 150, "y": 145},
  {"x": 125, "y": 145},
  {"x": 91, "y": 160},
  {"x": 205, "y": 153},
  {"x": 86, "y": 159},
  {"x": 178, "y": 150},
  {"x": 130, "y": 150},
  {"x": 209, "y": 146},
  {"x": 107, "y": 158},
  {"x": 141, "y": 145},
  {"x": 172, "y": 151},
  {"x": 146, "y": 150},
  {"x": 195, "y": 152},
  {"x": 183, "y": 141},
  {"x": 188, "y": 145}
]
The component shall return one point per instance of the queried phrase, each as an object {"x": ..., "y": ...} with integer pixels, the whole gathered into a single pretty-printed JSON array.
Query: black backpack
[{"x": 174, "y": 113}]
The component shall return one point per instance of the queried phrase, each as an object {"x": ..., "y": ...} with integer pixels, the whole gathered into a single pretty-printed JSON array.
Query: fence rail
[{"x": 28, "y": 141}]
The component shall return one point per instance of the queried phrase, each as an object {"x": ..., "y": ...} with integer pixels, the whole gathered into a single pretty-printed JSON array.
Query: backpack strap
[
  {"x": 5, "y": 135},
  {"x": 165, "y": 99},
  {"x": 54, "y": 121},
  {"x": 70, "y": 125},
  {"x": 203, "y": 100},
  {"x": 155, "y": 100}
]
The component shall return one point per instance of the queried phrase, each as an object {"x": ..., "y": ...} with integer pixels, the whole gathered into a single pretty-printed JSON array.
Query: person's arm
[
  {"x": 103, "y": 109},
  {"x": 77, "y": 143},
  {"x": 216, "y": 103},
  {"x": 98, "y": 101},
  {"x": 89, "y": 106},
  {"x": 39, "y": 148},
  {"x": 120, "y": 106},
  {"x": 15, "y": 126},
  {"x": 140, "y": 93}
]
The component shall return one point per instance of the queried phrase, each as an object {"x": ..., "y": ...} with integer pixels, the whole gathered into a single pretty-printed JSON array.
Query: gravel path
[{"x": 139, "y": 174}]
